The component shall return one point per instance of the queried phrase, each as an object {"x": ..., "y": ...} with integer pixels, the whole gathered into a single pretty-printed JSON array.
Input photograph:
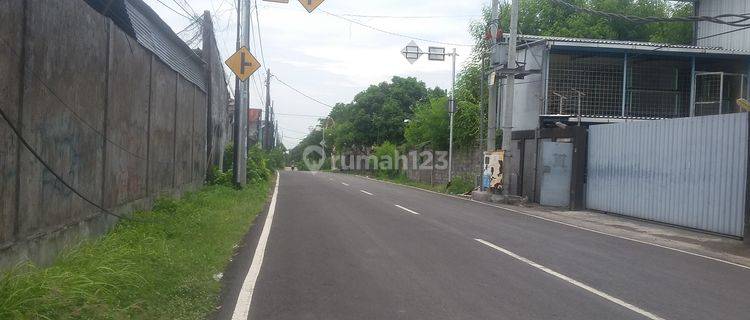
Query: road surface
[{"x": 345, "y": 247}]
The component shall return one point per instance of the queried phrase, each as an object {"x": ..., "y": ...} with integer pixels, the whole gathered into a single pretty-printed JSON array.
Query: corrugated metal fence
[{"x": 690, "y": 172}]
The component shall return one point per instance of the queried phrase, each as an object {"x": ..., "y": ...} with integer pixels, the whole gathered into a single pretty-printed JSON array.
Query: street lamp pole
[{"x": 412, "y": 52}]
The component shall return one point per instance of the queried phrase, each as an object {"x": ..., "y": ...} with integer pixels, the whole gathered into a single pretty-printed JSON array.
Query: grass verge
[
  {"x": 165, "y": 269},
  {"x": 460, "y": 185}
]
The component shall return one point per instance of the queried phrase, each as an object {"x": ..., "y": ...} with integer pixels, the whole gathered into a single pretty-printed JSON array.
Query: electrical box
[{"x": 499, "y": 56}]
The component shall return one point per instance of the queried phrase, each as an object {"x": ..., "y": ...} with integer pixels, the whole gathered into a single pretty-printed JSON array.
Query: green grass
[
  {"x": 162, "y": 269},
  {"x": 460, "y": 185}
]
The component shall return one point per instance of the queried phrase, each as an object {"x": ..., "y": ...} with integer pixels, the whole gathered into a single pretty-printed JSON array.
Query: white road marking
[
  {"x": 407, "y": 210},
  {"x": 570, "y": 225},
  {"x": 574, "y": 282},
  {"x": 245, "y": 298},
  {"x": 344, "y": 183},
  {"x": 367, "y": 193}
]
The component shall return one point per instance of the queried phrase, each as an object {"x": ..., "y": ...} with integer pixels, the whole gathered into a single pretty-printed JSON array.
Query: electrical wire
[
  {"x": 260, "y": 37},
  {"x": 173, "y": 10},
  {"x": 55, "y": 174},
  {"x": 735, "y": 20},
  {"x": 300, "y": 115},
  {"x": 407, "y": 17},
  {"x": 394, "y": 33},
  {"x": 302, "y": 93}
]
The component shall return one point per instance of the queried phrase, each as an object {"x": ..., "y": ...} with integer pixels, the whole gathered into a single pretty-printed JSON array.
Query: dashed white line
[
  {"x": 367, "y": 193},
  {"x": 407, "y": 210},
  {"x": 344, "y": 183},
  {"x": 245, "y": 298},
  {"x": 574, "y": 282},
  {"x": 570, "y": 225}
]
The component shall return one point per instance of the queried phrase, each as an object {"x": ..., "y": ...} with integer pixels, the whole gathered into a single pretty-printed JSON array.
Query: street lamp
[{"x": 412, "y": 53}]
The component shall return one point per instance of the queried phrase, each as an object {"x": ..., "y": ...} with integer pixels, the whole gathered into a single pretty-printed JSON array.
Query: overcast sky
[{"x": 332, "y": 59}]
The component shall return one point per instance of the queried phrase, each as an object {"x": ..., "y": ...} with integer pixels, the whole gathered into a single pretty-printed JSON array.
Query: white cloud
[{"x": 332, "y": 59}]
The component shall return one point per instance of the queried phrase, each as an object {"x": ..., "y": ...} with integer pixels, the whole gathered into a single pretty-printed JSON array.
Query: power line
[
  {"x": 55, "y": 174},
  {"x": 735, "y": 20},
  {"x": 302, "y": 93},
  {"x": 260, "y": 37},
  {"x": 408, "y": 17},
  {"x": 300, "y": 115},
  {"x": 173, "y": 10},
  {"x": 394, "y": 33},
  {"x": 722, "y": 33}
]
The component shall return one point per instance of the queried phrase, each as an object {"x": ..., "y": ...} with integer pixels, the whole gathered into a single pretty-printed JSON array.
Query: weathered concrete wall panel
[
  {"x": 63, "y": 112},
  {"x": 184, "y": 129},
  {"x": 200, "y": 151},
  {"x": 11, "y": 22},
  {"x": 127, "y": 121},
  {"x": 162, "y": 119}
]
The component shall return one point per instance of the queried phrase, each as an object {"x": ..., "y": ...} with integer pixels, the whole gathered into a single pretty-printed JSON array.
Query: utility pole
[
  {"x": 492, "y": 103},
  {"x": 267, "y": 122},
  {"x": 509, "y": 95},
  {"x": 452, "y": 112},
  {"x": 241, "y": 99}
]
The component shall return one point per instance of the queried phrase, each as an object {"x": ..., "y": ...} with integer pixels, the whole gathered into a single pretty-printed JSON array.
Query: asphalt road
[{"x": 346, "y": 247}]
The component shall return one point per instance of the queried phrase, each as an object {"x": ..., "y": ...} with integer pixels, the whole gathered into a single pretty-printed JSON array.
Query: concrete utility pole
[
  {"x": 509, "y": 95},
  {"x": 241, "y": 98},
  {"x": 492, "y": 103},
  {"x": 267, "y": 128}
]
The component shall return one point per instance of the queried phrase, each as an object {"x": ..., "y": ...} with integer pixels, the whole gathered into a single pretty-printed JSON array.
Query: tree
[{"x": 377, "y": 114}]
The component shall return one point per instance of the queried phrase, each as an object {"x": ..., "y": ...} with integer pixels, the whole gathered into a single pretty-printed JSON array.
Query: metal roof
[
  {"x": 632, "y": 45},
  {"x": 138, "y": 20}
]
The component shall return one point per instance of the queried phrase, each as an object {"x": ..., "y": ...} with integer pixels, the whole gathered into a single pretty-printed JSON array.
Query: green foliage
[
  {"x": 546, "y": 18},
  {"x": 377, "y": 114},
  {"x": 219, "y": 178},
  {"x": 387, "y": 161},
  {"x": 429, "y": 126},
  {"x": 277, "y": 158},
  {"x": 228, "y": 157},
  {"x": 161, "y": 269},
  {"x": 257, "y": 165},
  {"x": 461, "y": 185}
]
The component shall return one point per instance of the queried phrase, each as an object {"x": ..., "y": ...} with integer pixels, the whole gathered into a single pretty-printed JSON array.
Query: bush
[
  {"x": 257, "y": 165},
  {"x": 218, "y": 178},
  {"x": 460, "y": 185},
  {"x": 228, "y": 157},
  {"x": 387, "y": 162}
]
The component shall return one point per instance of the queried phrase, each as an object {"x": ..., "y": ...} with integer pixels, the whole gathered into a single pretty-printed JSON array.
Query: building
[{"x": 717, "y": 35}]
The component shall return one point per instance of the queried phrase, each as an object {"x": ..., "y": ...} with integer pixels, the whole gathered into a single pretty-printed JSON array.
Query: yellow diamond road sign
[
  {"x": 243, "y": 64},
  {"x": 310, "y": 5}
]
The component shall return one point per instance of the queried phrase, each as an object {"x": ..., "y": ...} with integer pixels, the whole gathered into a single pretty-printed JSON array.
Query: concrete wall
[
  {"x": 220, "y": 132},
  {"x": 467, "y": 164},
  {"x": 117, "y": 124},
  {"x": 11, "y": 24}
]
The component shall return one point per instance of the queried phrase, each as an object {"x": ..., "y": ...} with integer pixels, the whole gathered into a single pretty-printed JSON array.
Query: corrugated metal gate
[{"x": 690, "y": 172}]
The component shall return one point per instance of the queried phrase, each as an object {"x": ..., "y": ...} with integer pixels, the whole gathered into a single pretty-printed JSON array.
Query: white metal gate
[{"x": 690, "y": 172}]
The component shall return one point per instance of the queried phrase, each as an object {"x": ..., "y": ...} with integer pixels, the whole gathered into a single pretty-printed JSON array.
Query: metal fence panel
[{"x": 690, "y": 172}]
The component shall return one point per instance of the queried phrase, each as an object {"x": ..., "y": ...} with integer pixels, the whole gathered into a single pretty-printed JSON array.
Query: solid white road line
[
  {"x": 245, "y": 298},
  {"x": 570, "y": 225},
  {"x": 365, "y": 192},
  {"x": 574, "y": 282},
  {"x": 344, "y": 183},
  {"x": 407, "y": 210}
]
